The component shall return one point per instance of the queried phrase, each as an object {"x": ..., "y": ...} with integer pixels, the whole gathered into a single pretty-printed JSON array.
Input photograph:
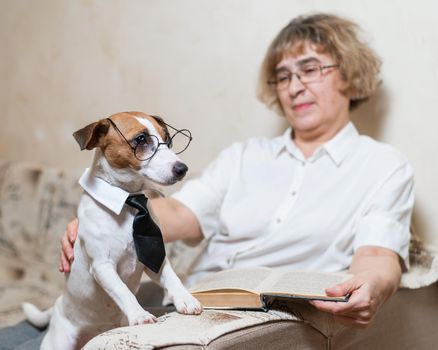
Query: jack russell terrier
[{"x": 133, "y": 151}]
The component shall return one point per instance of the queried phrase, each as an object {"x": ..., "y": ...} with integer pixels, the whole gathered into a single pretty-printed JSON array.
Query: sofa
[{"x": 36, "y": 203}]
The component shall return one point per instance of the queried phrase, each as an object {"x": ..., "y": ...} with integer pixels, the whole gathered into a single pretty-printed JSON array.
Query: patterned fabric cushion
[
  {"x": 36, "y": 203},
  {"x": 196, "y": 330}
]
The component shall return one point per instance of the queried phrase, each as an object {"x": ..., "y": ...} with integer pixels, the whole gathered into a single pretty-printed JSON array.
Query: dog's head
[{"x": 134, "y": 142}]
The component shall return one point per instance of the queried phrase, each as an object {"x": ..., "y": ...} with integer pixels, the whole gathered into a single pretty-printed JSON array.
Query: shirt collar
[
  {"x": 106, "y": 194},
  {"x": 342, "y": 144},
  {"x": 285, "y": 143},
  {"x": 337, "y": 148}
]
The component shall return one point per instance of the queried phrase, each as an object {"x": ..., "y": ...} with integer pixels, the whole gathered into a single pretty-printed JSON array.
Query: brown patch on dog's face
[
  {"x": 115, "y": 149},
  {"x": 157, "y": 122},
  {"x": 161, "y": 127}
]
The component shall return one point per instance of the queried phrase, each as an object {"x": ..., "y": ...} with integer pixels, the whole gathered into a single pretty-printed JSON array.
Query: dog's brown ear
[{"x": 89, "y": 136}]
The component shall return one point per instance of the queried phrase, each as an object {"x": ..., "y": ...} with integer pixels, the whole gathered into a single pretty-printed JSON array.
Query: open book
[{"x": 251, "y": 288}]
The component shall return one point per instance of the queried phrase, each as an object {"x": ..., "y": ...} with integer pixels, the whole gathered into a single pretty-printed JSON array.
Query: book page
[
  {"x": 245, "y": 279},
  {"x": 306, "y": 282}
]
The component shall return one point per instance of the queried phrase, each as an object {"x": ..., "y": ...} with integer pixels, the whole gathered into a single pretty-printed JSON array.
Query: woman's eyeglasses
[{"x": 306, "y": 74}]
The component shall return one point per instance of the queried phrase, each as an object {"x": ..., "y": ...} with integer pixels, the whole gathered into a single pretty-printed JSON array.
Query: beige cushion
[{"x": 200, "y": 330}]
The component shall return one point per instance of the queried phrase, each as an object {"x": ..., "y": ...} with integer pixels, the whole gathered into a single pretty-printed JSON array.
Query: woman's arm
[
  {"x": 377, "y": 273},
  {"x": 177, "y": 222}
]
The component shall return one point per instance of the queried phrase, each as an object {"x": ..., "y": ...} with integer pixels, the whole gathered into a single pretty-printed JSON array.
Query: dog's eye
[{"x": 140, "y": 139}]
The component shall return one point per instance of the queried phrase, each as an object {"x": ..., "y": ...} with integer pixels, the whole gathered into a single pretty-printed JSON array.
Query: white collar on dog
[{"x": 112, "y": 197}]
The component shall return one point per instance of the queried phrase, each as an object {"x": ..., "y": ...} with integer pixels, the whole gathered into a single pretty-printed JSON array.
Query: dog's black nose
[{"x": 179, "y": 170}]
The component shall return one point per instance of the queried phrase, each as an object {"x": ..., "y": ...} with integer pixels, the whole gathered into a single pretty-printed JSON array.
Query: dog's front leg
[
  {"x": 184, "y": 302},
  {"x": 106, "y": 275}
]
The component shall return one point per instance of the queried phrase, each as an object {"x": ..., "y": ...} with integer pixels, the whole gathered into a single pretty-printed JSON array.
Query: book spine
[{"x": 265, "y": 302}]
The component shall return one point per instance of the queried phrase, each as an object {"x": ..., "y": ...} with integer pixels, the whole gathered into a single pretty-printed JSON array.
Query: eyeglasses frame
[
  {"x": 168, "y": 144},
  {"x": 321, "y": 68}
]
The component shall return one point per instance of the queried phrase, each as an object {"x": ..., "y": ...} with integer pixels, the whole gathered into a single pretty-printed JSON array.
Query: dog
[{"x": 105, "y": 274}]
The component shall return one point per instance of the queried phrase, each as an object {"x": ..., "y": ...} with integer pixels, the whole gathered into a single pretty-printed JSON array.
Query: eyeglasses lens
[
  {"x": 180, "y": 141},
  {"x": 147, "y": 149}
]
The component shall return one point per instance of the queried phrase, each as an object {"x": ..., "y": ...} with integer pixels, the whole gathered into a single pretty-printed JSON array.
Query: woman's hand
[
  {"x": 67, "y": 241},
  {"x": 377, "y": 273}
]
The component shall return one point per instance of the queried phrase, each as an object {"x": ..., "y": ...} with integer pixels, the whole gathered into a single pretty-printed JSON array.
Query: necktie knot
[
  {"x": 147, "y": 236},
  {"x": 138, "y": 201}
]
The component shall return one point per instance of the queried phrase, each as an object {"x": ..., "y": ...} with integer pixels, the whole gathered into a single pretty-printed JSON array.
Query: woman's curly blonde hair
[{"x": 358, "y": 63}]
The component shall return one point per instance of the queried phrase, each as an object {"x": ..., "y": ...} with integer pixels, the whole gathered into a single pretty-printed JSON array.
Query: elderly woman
[{"x": 320, "y": 196}]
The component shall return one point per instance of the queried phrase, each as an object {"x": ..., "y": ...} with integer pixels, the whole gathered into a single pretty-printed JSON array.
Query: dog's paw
[
  {"x": 141, "y": 317},
  {"x": 187, "y": 304}
]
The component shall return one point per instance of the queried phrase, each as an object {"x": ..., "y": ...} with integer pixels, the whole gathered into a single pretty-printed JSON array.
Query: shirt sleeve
[
  {"x": 386, "y": 219},
  {"x": 205, "y": 195}
]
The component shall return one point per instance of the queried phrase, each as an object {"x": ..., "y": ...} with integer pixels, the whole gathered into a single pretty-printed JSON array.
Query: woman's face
[{"x": 317, "y": 109}]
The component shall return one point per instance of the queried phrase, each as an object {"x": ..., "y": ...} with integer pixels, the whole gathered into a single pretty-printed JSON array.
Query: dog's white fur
[{"x": 106, "y": 274}]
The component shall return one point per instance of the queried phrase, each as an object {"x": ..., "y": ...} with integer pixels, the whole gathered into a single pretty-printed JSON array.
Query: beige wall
[{"x": 66, "y": 63}]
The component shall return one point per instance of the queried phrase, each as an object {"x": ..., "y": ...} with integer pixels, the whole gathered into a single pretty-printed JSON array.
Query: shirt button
[
  {"x": 278, "y": 220},
  {"x": 293, "y": 193}
]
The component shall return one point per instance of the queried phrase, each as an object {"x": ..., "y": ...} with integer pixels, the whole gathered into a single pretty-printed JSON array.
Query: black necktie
[{"x": 147, "y": 235}]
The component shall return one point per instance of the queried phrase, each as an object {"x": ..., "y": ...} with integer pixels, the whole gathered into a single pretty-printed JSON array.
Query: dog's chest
[{"x": 107, "y": 235}]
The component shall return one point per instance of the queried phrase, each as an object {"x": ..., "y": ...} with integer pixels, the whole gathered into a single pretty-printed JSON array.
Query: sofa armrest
[{"x": 407, "y": 321}]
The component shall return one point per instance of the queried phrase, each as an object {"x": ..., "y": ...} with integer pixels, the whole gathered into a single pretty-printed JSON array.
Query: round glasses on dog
[
  {"x": 145, "y": 146},
  {"x": 306, "y": 74}
]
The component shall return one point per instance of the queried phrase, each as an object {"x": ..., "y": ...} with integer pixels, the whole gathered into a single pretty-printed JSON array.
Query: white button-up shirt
[{"x": 262, "y": 203}]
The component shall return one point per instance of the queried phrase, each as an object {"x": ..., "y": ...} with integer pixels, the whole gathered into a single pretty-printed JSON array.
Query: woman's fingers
[
  {"x": 72, "y": 230},
  {"x": 64, "y": 264},
  {"x": 67, "y": 241}
]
